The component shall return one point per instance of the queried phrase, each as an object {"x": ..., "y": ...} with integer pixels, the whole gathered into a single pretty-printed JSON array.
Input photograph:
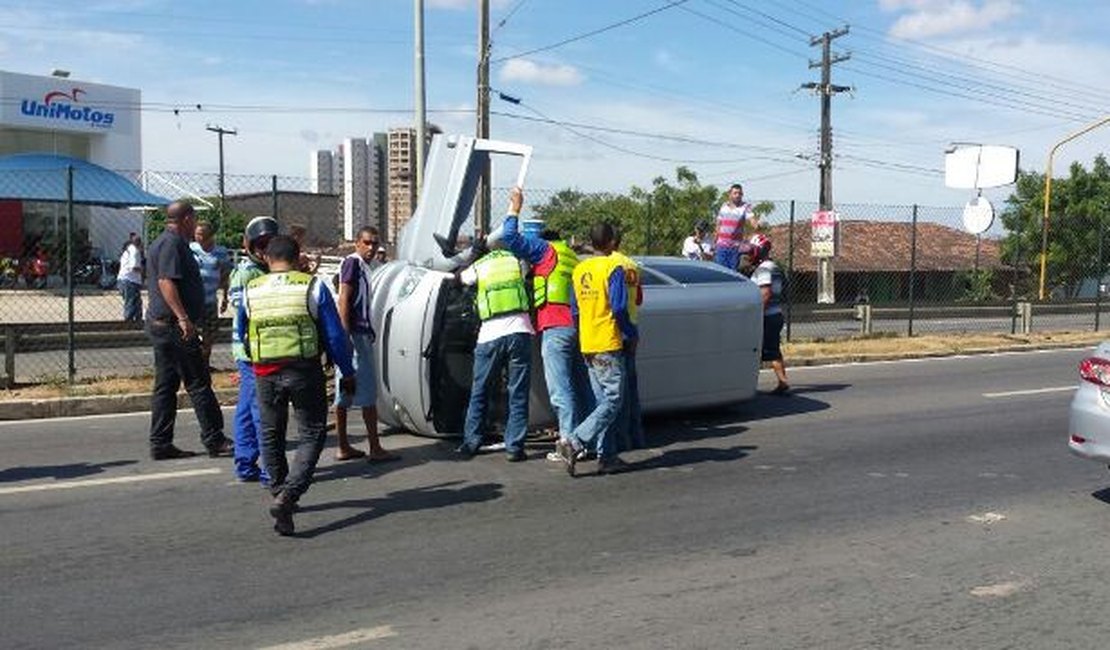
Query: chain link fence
[{"x": 899, "y": 269}]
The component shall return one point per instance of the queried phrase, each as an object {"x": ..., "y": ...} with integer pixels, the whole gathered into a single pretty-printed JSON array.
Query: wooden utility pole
[
  {"x": 826, "y": 291},
  {"x": 221, "y": 132},
  {"x": 482, "y": 207}
]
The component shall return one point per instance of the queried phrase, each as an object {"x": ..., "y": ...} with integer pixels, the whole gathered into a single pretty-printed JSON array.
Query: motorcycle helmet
[
  {"x": 760, "y": 247},
  {"x": 257, "y": 234}
]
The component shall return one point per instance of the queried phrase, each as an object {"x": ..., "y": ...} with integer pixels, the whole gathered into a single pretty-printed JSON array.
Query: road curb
[
  {"x": 866, "y": 358},
  {"x": 65, "y": 407}
]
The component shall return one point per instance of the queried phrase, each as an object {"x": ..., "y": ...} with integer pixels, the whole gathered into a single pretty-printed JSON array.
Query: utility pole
[
  {"x": 221, "y": 132},
  {"x": 826, "y": 292},
  {"x": 421, "y": 109},
  {"x": 482, "y": 207}
]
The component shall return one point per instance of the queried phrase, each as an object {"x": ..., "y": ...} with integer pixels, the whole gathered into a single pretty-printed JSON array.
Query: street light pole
[
  {"x": 421, "y": 111},
  {"x": 1048, "y": 194}
]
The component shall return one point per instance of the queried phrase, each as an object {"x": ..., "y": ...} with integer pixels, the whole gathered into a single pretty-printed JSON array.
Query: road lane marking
[
  {"x": 950, "y": 357},
  {"x": 1034, "y": 391},
  {"x": 344, "y": 640},
  {"x": 138, "y": 478},
  {"x": 96, "y": 416}
]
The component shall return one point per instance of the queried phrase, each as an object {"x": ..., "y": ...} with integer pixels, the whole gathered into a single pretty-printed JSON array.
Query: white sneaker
[
  {"x": 554, "y": 457},
  {"x": 497, "y": 446}
]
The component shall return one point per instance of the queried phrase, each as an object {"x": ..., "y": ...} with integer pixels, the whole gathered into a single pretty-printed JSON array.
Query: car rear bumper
[{"x": 1089, "y": 423}]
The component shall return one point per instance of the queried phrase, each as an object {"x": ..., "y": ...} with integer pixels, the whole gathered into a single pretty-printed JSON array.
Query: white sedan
[{"x": 1089, "y": 426}]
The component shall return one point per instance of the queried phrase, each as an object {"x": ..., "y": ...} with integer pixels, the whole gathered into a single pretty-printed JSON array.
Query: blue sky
[{"x": 712, "y": 84}]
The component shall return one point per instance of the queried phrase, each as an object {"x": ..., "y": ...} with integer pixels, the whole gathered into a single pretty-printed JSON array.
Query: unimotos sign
[
  {"x": 50, "y": 103},
  {"x": 66, "y": 106}
]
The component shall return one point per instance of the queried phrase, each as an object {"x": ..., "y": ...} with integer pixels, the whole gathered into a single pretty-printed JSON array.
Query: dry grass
[{"x": 884, "y": 347}]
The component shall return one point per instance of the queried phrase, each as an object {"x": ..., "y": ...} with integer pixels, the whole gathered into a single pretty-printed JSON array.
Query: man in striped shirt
[{"x": 730, "y": 244}]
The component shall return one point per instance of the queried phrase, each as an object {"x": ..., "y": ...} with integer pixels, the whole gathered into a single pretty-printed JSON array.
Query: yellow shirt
[{"x": 597, "y": 328}]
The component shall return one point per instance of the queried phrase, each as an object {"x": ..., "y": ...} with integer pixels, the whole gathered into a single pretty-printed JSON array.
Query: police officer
[
  {"x": 247, "y": 422},
  {"x": 287, "y": 320},
  {"x": 504, "y": 338}
]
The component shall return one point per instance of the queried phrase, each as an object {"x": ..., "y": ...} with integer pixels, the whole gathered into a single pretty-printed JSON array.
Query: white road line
[
  {"x": 138, "y": 478},
  {"x": 98, "y": 416},
  {"x": 338, "y": 640},
  {"x": 952, "y": 357},
  {"x": 1034, "y": 391}
]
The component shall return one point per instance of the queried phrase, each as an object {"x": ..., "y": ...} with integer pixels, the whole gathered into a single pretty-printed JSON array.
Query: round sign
[{"x": 978, "y": 216}]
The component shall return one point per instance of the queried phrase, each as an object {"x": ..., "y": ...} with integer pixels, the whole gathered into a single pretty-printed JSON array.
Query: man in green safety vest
[
  {"x": 286, "y": 320},
  {"x": 505, "y": 338}
]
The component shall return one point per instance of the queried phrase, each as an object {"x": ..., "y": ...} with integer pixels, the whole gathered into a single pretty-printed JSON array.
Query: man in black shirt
[{"x": 176, "y": 305}]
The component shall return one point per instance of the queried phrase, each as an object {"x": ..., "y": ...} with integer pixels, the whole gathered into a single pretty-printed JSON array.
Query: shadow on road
[
  {"x": 431, "y": 497},
  {"x": 1102, "y": 495},
  {"x": 360, "y": 467},
  {"x": 73, "y": 470},
  {"x": 691, "y": 456}
]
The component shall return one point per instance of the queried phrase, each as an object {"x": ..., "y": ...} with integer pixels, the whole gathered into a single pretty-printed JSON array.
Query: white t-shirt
[
  {"x": 498, "y": 326},
  {"x": 129, "y": 260},
  {"x": 694, "y": 249},
  {"x": 767, "y": 274}
]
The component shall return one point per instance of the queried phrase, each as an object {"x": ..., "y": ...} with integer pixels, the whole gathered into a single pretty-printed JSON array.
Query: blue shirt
[{"x": 213, "y": 264}]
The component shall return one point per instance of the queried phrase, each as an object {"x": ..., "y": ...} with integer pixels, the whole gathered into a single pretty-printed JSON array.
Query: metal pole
[
  {"x": 790, "y": 273},
  {"x": 913, "y": 265},
  {"x": 482, "y": 209},
  {"x": 71, "y": 338},
  {"x": 421, "y": 108},
  {"x": 274, "y": 197},
  {"x": 1014, "y": 282},
  {"x": 1048, "y": 194},
  {"x": 1098, "y": 280}
]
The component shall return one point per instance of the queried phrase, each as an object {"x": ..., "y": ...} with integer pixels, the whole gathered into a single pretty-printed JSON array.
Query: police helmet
[{"x": 259, "y": 228}]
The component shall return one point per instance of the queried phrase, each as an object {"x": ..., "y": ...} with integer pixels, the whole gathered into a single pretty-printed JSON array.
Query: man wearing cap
[{"x": 552, "y": 263}]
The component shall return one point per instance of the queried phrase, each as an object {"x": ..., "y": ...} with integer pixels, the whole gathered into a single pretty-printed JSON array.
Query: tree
[
  {"x": 1077, "y": 220},
  {"x": 228, "y": 224}
]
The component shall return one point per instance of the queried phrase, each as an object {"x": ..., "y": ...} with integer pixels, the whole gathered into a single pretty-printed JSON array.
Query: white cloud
[
  {"x": 930, "y": 18},
  {"x": 530, "y": 72}
]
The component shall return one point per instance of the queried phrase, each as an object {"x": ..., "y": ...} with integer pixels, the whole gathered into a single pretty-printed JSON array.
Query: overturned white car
[{"x": 701, "y": 325}]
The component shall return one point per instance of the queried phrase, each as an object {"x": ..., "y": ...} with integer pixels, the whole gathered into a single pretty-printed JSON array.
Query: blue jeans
[
  {"x": 607, "y": 378},
  {"x": 514, "y": 350},
  {"x": 568, "y": 381},
  {"x": 248, "y": 427},
  {"x": 628, "y": 432},
  {"x": 132, "y": 301}
]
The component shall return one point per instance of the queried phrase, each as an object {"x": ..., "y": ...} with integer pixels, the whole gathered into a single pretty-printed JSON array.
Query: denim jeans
[
  {"x": 248, "y": 427},
  {"x": 727, "y": 257},
  {"x": 302, "y": 383},
  {"x": 177, "y": 361},
  {"x": 607, "y": 377},
  {"x": 514, "y": 350},
  {"x": 132, "y": 300},
  {"x": 568, "y": 382},
  {"x": 628, "y": 430}
]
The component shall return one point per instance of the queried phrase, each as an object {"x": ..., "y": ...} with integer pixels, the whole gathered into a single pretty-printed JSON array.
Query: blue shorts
[
  {"x": 772, "y": 337},
  {"x": 366, "y": 376},
  {"x": 727, "y": 257}
]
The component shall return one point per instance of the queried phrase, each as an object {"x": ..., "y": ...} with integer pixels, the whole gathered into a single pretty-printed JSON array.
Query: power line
[
  {"x": 509, "y": 14},
  {"x": 595, "y": 32}
]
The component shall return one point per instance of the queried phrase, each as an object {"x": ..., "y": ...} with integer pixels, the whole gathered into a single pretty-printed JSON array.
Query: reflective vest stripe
[
  {"x": 557, "y": 286},
  {"x": 501, "y": 288},
  {"x": 281, "y": 325}
]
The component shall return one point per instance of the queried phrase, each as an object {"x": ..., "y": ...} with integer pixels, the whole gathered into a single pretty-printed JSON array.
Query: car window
[
  {"x": 692, "y": 273},
  {"x": 651, "y": 278}
]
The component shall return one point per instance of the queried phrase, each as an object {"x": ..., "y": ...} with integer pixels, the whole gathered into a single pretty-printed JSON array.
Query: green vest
[
  {"x": 247, "y": 270},
  {"x": 556, "y": 287},
  {"x": 281, "y": 327},
  {"x": 501, "y": 287}
]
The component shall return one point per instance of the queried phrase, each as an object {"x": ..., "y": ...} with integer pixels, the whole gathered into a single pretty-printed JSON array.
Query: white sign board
[
  {"x": 55, "y": 104},
  {"x": 978, "y": 166},
  {"x": 823, "y": 233},
  {"x": 978, "y": 216}
]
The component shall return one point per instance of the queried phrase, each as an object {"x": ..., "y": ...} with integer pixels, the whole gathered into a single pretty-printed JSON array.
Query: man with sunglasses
[{"x": 354, "y": 302}]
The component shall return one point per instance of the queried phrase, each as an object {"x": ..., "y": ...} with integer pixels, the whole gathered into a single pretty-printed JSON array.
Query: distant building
[
  {"x": 402, "y": 179},
  {"x": 355, "y": 173}
]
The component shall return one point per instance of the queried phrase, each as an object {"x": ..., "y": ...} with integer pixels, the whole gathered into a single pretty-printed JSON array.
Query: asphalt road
[{"x": 894, "y": 505}]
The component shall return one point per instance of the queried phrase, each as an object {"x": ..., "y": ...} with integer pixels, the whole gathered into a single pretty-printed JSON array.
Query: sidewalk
[{"x": 127, "y": 396}]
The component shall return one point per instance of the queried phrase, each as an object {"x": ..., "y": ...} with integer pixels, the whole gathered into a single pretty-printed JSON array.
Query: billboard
[{"x": 56, "y": 104}]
